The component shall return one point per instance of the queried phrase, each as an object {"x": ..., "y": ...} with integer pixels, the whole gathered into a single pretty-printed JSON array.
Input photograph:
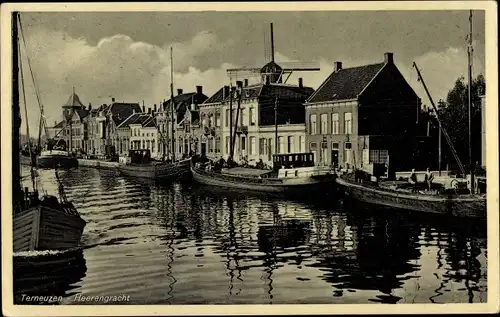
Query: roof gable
[
  {"x": 121, "y": 111},
  {"x": 73, "y": 101},
  {"x": 346, "y": 83},
  {"x": 267, "y": 90}
]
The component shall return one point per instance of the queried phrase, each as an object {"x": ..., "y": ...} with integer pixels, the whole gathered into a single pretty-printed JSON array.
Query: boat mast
[
  {"x": 16, "y": 118},
  {"x": 230, "y": 119},
  {"x": 469, "y": 76},
  {"x": 239, "y": 89},
  {"x": 172, "y": 103},
  {"x": 275, "y": 124}
]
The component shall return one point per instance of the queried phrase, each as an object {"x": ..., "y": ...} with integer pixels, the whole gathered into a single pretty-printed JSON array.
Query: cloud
[
  {"x": 440, "y": 70},
  {"x": 132, "y": 71},
  {"x": 116, "y": 66}
]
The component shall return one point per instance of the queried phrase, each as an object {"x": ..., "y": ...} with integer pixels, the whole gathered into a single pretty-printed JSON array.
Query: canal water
[{"x": 187, "y": 244}]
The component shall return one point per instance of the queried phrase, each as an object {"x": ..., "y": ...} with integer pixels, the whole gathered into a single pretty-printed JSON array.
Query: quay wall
[{"x": 97, "y": 164}]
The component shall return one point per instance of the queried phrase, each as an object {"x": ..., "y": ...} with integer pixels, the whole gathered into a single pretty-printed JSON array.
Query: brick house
[
  {"x": 364, "y": 115},
  {"x": 183, "y": 102}
]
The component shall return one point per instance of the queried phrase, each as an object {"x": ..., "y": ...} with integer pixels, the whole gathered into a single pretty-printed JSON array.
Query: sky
[{"x": 126, "y": 55}]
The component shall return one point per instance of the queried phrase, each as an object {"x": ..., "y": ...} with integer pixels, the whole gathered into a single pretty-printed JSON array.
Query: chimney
[
  {"x": 389, "y": 58},
  {"x": 55, "y": 123},
  {"x": 154, "y": 108},
  {"x": 239, "y": 83},
  {"x": 337, "y": 66},
  {"x": 300, "y": 82},
  {"x": 245, "y": 82},
  {"x": 179, "y": 91},
  {"x": 199, "y": 89},
  {"x": 143, "y": 109},
  {"x": 149, "y": 110},
  {"x": 90, "y": 106},
  {"x": 113, "y": 99}
]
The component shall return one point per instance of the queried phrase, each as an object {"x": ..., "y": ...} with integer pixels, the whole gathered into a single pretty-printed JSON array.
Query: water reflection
[
  {"x": 188, "y": 244},
  {"x": 48, "y": 275}
]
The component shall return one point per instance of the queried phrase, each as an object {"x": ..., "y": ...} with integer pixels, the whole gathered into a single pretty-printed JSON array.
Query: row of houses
[{"x": 358, "y": 116}]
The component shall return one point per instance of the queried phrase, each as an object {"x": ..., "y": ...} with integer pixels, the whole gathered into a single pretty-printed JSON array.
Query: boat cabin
[
  {"x": 139, "y": 156},
  {"x": 293, "y": 160}
]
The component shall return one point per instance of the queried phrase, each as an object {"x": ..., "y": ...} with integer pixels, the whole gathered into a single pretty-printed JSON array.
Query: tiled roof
[
  {"x": 269, "y": 90},
  {"x": 346, "y": 83},
  {"x": 73, "y": 101},
  {"x": 121, "y": 111},
  {"x": 130, "y": 120},
  {"x": 150, "y": 123},
  {"x": 82, "y": 112},
  {"x": 183, "y": 101},
  {"x": 60, "y": 124}
]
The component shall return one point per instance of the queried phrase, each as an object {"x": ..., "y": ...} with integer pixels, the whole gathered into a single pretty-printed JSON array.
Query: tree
[{"x": 454, "y": 115}]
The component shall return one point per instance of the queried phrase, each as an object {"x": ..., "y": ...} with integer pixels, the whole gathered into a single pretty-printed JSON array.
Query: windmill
[{"x": 271, "y": 72}]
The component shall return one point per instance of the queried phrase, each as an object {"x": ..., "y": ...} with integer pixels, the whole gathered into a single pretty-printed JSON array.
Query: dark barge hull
[
  {"x": 452, "y": 205},
  {"x": 45, "y": 228},
  {"x": 319, "y": 185},
  {"x": 53, "y": 161},
  {"x": 159, "y": 171}
]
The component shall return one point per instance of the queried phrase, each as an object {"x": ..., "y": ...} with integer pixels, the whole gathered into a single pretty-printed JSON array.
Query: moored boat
[
  {"x": 291, "y": 174},
  {"x": 386, "y": 194},
  {"x": 139, "y": 164},
  {"x": 56, "y": 158},
  {"x": 39, "y": 223}
]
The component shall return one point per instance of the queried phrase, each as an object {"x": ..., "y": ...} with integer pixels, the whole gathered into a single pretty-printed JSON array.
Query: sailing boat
[
  {"x": 293, "y": 173},
  {"x": 43, "y": 223},
  {"x": 58, "y": 154},
  {"x": 391, "y": 194},
  {"x": 138, "y": 163}
]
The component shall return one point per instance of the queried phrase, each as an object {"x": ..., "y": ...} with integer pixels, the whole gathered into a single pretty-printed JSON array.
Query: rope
[
  {"x": 33, "y": 77},
  {"x": 32, "y": 172}
]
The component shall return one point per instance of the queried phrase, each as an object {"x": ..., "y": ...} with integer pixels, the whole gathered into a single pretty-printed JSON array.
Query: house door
[
  {"x": 203, "y": 149},
  {"x": 335, "y": 158}
]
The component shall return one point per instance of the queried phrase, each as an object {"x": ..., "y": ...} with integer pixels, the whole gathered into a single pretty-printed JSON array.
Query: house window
[
  {"x": 204, "y": 120},
  {"x": 313, "y": 124},
  {"x": 378, "y": 156},
  {"x": 242, "y": 116},
  {"x": 302, "y": 142},
  {"x": 227, "y": 145},
  {"x": 217, "y": 119},
  {"x": 217, "y": 144},
  {"x": 210, "y": 145},
  {"x": 348, "y": 123},
  {"x": 290, "y": 144},
  {"x": 281, "y": 144},
  {"x": 186, "y": 146},
  {"x": 210, "y": 121},
  {"x": 335, "y": 123},
  {"x": 262, "y": 146},
  {"x": 227, "y": 118},
  {"x": 324, "y": 123},
  {"x": 252, "y": 116},
  {"x": 243, "y": 143},
  {"x": 252, "y": 146},
  {"x": 335, "y": 145}
]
